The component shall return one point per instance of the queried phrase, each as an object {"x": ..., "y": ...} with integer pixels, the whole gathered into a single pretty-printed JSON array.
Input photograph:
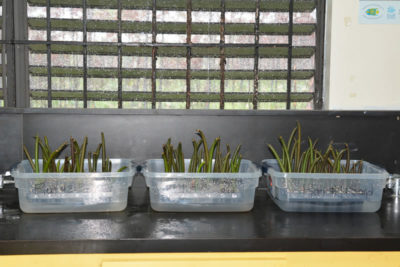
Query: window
[{"x": 181, "y": 54}]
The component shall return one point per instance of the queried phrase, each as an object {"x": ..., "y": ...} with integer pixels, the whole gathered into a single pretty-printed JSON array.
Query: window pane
[{"x": 129, "y": 56}]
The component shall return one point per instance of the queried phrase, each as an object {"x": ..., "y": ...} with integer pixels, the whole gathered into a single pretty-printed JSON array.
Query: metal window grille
[{"x": 199, "y": 54}]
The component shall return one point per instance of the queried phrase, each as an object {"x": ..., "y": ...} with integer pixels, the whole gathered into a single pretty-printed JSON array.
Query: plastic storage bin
[
  {"x": 73, "y": 192},
  {"x": 201, "y": 192},
  {"x": 322, "y": 192}
]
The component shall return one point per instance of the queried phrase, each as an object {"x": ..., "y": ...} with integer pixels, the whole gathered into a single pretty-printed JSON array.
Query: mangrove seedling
[
  {"x": 73, "y": 162},
  {"x": 312, "y": 160},
  {"x": 204, "y": 158}
]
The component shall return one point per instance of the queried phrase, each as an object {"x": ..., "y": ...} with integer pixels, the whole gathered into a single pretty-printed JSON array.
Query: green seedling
[
  {"x": 204, "y": 159},
  {"x": 72, "y": 163},
  {"x": 312, "y": 160}
]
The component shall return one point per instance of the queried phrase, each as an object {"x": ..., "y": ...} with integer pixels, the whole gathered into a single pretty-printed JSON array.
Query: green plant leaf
[
  {"x": 205, "y": 147},
  {"x": 291, "y": 137},
  {"x": 200, "y": 166},
  {"x": 166, "y": 166},
  {"x": 225, "y": 164},
  {"x": 271, "y": 148},
  {"x": 235, "y": 158},
  {"x": 83, "y": 154},
  {"x": 28, "y": 156},
  {"x": 285, "y": 155},
  {"x": 180, "y": 159},
  {"x": 54, "y": 155},
  {"x": 104, "y": 153},
  {"x": 211, "y": 154},
  {"x": 45, "y": 151},
  {"x": 95, "y": 160},
  {"x": 72, "y": 146},
  {"x": 122, "y": 169},
  {"x": 90, "y": 168},
  {"x": 37, "y": 154},
  {"x": 347, "y": 167},
  {"x": 66, "y": 164},
  {"x": 298, "y": 149},
  {"x": 58, "y": 166}
]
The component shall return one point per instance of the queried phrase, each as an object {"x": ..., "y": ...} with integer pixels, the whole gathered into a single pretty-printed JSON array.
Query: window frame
[{"x": 16, "y": 91}]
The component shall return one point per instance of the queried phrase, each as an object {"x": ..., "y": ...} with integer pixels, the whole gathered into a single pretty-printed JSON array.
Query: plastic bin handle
[
  {"x": 264, "y": 167},
  {"x": 139, "y": 165},
  {"x": 6, "y": 179},
  {"x": 393, "y": 183}
]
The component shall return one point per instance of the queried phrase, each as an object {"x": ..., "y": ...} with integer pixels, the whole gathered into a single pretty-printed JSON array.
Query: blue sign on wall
[{"x": 379, "y": 12}]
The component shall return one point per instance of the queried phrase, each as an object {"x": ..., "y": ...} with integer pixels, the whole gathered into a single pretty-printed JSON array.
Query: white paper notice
[{"x": 379, "y": 12}]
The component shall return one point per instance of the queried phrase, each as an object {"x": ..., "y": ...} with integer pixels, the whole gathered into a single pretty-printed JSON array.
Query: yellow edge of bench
[{"x": 310, "y": 259}]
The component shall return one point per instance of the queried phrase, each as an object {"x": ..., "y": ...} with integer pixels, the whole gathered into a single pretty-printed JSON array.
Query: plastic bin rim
[
  {"x": 301, "y": 175},
  {"x": 256, "y": 173},
  {"x": 16, "y": 174}
]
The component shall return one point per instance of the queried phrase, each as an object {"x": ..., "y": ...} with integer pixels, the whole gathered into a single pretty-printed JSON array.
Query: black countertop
[{"x": 140, "y": 229}]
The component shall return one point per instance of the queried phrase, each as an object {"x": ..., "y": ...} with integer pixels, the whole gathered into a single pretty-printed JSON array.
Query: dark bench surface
[{"x": 140, "y": 229}]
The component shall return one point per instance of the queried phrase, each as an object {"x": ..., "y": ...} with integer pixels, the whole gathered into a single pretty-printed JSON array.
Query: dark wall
[
  {"x": 139, "y": 134},
  {"x": 10, "y": 139}
]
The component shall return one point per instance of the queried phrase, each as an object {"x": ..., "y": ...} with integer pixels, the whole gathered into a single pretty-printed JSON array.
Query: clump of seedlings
[
  {"x": 73, "y": 162},
  {"x": 204, "y": 159},
  {"x": 312, "y": 160}
]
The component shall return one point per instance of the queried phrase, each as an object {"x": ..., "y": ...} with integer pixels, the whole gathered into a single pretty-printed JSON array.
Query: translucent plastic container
[
  {"x": 201, "y": 192},
  {"x": 322, "y": 192},
  {"x": 73, "y": 192}
]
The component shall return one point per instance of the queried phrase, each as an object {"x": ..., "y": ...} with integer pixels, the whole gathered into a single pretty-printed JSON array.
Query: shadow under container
[
  {"x": 73, "y": 192},
  {"x": 201, "y": 192},
  {"x": 326, "y": 192}
]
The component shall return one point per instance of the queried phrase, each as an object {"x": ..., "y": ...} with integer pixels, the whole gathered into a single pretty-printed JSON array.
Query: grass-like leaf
[
  {"x": 312, "y": 160},
  {"x": 29, "y": 158},
  {"x": 72, "y": 163},
  {"x": 203, "y": 159},
  {"x": 37, "y": 154}
]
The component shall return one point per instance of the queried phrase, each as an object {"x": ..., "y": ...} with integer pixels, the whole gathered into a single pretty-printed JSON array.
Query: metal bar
[
  {"x": 179, "y": 5},
  {"x": 170, "y": 73},
  {"x": 128, "y": 44},
  {"x": 84, "y": 54},
  {"x": 188, "y": 51},
  {"x": 222, "y": 56},
  {"x": 10, "y": 88},
  {"x": 153, "y": 54},
  {"x": 290, "y": 42},
  {"x": 21, "y": 55},
  {"x": 171, "y": 96},
  {"x": 48, "y": 14},
  {"x": 319, "y": 55},
  {"x": 256, "y": 54},
  {"x": 119, "y": 54}
]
